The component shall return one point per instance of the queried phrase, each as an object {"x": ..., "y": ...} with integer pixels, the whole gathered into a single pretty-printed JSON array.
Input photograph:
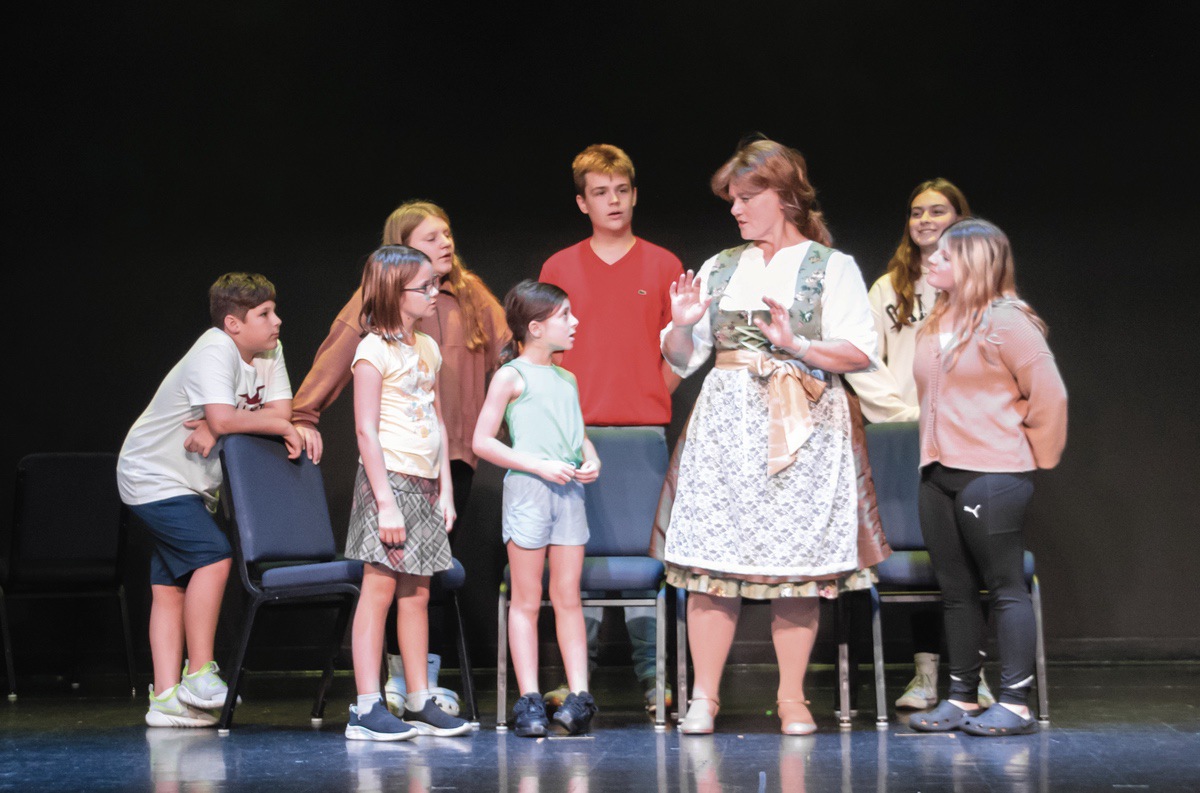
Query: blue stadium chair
[
  {"x": 278, "y": 510},
  {"x": 620, "y": 510}
]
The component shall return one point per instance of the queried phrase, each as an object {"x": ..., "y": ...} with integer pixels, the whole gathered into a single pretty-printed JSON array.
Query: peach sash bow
[{"x": 790, "y": 389}]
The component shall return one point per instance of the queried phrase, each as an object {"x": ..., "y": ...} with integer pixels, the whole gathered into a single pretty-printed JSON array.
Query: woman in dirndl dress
[{"x": 768, "y": 493}]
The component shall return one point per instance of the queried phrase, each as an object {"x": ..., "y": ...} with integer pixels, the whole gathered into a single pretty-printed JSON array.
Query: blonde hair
[
  {"x": 471, "y": 291},
  {"x": 904, "y": 268},
  {"x": 600, "y": 158},
  {"x": 984, "y": 277},
  {"x": 766, "y": 164}
]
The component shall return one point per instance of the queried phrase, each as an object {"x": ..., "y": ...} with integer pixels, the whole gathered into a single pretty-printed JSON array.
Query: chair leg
[
  {"x": 8, "y": 651},
  {"x": 502, "y": 660},
  {"x": 843, "y": 663},
  {"x": 881, "y": 711},
  {"x": 1042, "y": 685},
  {"x": 235, "y": 669},
  {"x": 660, "y": 659},
  {"x": 130, "y": 662},
  {"x": 345, "y": 609},
  {"x": 681, "y": 653},
  {"x": 464, "y": 662}
]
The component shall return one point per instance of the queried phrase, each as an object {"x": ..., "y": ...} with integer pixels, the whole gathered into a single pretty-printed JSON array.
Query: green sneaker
[
  {"x": 555, "y": 698},
  {"x": 203, "y": 688},
  {"x": 168, "y": 710}
]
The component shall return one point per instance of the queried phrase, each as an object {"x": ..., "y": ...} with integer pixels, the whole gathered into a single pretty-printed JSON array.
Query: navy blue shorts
[{"x": 186, "y": 538}]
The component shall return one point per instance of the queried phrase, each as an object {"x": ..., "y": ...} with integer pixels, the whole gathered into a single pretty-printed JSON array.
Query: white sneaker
[
  {"x": 203, "y": 688},
  {"x": 168, "y": 710},
  {"x": 445, "y": 699},
  {"x": 985, "y": 700},
  {"x": 921, "y": 692},
  {"x": 394, "y": 689}
]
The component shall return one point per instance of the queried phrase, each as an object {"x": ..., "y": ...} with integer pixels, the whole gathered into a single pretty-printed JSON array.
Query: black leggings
[{"x": 972, "y": 527}]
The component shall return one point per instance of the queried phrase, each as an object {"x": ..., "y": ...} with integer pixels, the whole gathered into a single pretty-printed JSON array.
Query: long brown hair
[
  {"x": 904, "y": 268},
  {"x": 387, "y": 273},
  {"x": 471, "y": 291},
  {"x": 984, "y": 277},
  {"x": 764, "y": 163}
]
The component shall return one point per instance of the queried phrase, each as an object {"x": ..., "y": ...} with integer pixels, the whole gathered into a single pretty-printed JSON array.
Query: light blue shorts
[{"x": 538, "y": 513}]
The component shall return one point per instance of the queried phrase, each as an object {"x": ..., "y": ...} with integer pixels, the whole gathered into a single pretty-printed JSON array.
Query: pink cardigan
[{"x": 1002, "y": 407}]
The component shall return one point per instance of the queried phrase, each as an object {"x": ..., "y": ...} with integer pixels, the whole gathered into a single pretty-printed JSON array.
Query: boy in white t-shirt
[{"x": 232, "y": 380}]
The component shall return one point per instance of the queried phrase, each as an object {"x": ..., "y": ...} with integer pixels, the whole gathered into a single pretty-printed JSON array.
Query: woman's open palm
[{"x": 688, "y": 302}]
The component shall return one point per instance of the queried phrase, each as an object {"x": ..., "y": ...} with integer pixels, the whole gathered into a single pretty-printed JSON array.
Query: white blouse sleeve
[
  {"x": 845, "y": 310},
  {"x": 702, "y": 340}
]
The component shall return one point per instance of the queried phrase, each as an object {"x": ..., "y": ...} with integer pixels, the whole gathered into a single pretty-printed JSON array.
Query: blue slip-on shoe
[
  {"x": 432, "y": 720},
  {"x": 377, "y": 724}
]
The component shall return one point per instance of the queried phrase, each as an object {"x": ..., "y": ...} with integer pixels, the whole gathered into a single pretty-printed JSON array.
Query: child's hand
[
  {"x": 588, "y": 472},
  {"x": 391, "y": 524},
  {"x": 293, "y": 442},
  {"x": 448, "y": 512},
  {"x": 312, "y": 442},
  {"x": 555, "y": 471},
  {"x": 201, "y": 441}
]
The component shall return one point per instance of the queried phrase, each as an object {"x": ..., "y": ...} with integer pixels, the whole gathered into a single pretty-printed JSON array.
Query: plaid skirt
[{"x": 426, "y": 548}]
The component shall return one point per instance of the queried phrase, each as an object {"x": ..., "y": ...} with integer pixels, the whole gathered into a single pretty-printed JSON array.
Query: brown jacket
[
  {"x": 1002, "y": 407},
  {"x": 462, "y": 379}
]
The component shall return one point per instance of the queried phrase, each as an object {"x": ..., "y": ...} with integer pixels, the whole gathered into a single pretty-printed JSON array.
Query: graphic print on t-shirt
[
  {"x": 918, "y": 312},
  {"x": 246, "y": 402}
]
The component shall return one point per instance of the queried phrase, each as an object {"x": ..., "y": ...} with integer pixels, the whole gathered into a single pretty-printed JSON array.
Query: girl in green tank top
[{"x": 549, "y": 460}]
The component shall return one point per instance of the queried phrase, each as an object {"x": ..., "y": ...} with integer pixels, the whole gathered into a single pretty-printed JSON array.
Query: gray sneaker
[
  {"x": 169, "y": 710},
  {"x": 377, "y": 724},
  {"x": 432, "y": 720}
]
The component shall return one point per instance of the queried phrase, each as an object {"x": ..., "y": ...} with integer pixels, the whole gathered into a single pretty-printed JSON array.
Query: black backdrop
[{"x": 153, "y": 147}]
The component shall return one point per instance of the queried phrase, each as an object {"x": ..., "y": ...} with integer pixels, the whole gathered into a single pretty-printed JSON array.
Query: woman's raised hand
[
  {"x": 688, "y": 303},
  {"x": 779, "y": 332}
]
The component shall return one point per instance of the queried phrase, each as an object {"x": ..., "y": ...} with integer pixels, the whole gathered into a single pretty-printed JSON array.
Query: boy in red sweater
[{"x": 618, "y": 284}]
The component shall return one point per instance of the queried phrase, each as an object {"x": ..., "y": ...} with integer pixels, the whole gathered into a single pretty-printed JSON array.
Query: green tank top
[{"x": 545, "y": 420}]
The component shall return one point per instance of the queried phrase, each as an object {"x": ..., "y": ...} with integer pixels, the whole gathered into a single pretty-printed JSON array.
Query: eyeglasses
[{"x": 429, "y": 290}]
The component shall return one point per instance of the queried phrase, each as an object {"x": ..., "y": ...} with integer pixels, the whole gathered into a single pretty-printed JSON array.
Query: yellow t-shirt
[{"x": 408, "y": 427}]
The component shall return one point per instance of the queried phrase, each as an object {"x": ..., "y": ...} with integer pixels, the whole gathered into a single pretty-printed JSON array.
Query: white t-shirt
[
  {"x": 890, "y": 394},
  {"x": 153, "y": 464},
  {"x": 845, "y": 313},
  {"x": 408, "y": 425}
]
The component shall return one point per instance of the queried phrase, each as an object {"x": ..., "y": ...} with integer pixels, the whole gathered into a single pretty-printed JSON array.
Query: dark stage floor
[{"x": 1122, "y": 728}]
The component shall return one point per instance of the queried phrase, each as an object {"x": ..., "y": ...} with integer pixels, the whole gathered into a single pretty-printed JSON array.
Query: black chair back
[
  {"x": 67, "y": 521},
  {"x": 278, "y": 504},
  {"x": 895, "y": 454}
]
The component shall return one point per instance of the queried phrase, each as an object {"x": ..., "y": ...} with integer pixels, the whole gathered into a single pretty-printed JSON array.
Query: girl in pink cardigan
[{"x": 993, "y": 409}]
